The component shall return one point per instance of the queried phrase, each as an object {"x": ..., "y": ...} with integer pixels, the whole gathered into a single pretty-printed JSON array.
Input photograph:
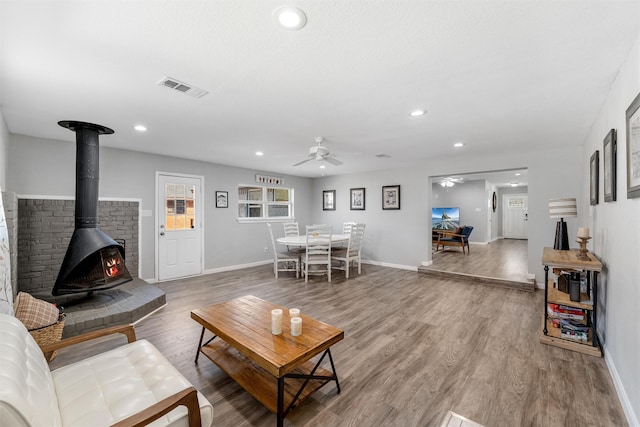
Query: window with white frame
[{"x": 255, "y": 202}]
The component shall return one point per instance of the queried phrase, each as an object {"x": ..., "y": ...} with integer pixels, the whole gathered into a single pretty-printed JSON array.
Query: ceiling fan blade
[
  {"x": 304, "y": 161},
  {"x": 333, "y": 161}
]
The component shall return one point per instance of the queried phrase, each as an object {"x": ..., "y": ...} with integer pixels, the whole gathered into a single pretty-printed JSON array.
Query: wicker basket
[{"x": 48, "y": 335}]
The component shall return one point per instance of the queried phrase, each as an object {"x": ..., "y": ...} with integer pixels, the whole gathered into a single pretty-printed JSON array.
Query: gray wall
[
  {"x": 392, "y": 237},
  {"x": 470, "y": 198},
  {"x": 47, "y": 167},
  {"x": 616, "y": 241}
]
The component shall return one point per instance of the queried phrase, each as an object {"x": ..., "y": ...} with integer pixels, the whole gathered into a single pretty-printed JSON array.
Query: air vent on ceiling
[{"x": 176, "y": 84}]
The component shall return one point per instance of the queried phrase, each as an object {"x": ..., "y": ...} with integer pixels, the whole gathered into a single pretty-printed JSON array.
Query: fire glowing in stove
[
  {"x": 113, "y": 266},
  {"x": 111, "y": 262}
]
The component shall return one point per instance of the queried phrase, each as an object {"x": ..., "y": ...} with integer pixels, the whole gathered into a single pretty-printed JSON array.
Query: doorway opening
[{"x": 498, "y": 242}]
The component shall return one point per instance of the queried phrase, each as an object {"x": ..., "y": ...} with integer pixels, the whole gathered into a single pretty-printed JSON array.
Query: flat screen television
[{"x": 445, "y": 218}]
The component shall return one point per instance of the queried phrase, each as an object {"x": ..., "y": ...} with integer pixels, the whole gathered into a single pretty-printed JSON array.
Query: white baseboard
[
  {"x": 237, "y": 267},
  {"x": 426, "y": 263},
  {"x": 632, "y": 418},
  {"x": 386, "y": 264}
]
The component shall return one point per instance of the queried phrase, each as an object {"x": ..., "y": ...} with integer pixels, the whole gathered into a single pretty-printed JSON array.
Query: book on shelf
[
  {"x": 571, "y": 325},
  {"x": 565, "y": 312},
  {"x": 575, "y": 335}
]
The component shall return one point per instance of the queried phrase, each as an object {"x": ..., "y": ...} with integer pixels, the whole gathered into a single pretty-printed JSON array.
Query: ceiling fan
[
  {"x": 450, "y": 181},
  {"x": 320, "y": 153}
]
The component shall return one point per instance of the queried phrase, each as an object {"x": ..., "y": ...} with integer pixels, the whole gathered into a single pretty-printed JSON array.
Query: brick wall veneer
[{"x": 45, "y": 228}]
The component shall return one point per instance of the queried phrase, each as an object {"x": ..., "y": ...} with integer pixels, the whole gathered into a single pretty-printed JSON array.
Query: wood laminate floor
[
  {"x": 502, "y": 259},
  {"x": 415, "y": 348}
]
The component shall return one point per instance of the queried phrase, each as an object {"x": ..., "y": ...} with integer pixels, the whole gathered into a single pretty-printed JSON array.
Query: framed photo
[
  {"x": 633, "y": 149},
  {"x": 357, "y": 199},
  {"x": 609, "y": 154},
  {"x": 594, "y": 165},
  {"x": 391, "y": 197},
  {"x": 222, "y": 199},
  {"x": 329, "y": 200}
]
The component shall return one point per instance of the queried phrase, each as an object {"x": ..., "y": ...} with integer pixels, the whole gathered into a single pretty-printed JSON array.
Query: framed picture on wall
[
  {"x": 329, "y": 200},
  {"x": 357, "y": 199},
  {"x": 609, "y": 154},
  {"x": 391, "y": 197},
  {"x": 633, "y": 149},
  {"x": 593, "y": 187},
  {"x": 222, "y": 199}
]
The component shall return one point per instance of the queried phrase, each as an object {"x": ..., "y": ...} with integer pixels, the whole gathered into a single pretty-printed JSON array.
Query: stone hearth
[{"x": 125, "y": 304}]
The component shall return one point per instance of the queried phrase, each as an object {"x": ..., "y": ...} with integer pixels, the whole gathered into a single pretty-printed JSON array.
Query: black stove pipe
[{"x": 87, "y": 170}]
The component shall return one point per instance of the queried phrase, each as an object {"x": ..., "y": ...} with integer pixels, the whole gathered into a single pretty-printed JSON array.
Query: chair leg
[{"x": 347, "y": 266}]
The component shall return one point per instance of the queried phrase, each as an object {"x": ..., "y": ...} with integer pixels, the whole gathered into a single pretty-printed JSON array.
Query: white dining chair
[
  {"x": 291, "y": 229},
  {"x": 282, "y": 261},
  {"x": 351, "y": 254},
  {"x": 317, "y": 258},
  {"x": 346, "y": 227}
]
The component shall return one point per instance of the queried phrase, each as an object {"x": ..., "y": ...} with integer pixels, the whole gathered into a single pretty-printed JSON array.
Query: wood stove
[{"x": 93, "y": 261}]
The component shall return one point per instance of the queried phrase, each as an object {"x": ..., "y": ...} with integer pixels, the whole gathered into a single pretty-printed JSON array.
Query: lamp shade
[{"x": 562, "y": 208}]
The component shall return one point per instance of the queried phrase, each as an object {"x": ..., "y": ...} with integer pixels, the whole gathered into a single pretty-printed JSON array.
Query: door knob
[{"x": 162, "y": 233}]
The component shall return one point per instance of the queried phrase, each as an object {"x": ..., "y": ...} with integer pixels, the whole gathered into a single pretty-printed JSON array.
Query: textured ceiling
[{"x": 501, "y": 76}]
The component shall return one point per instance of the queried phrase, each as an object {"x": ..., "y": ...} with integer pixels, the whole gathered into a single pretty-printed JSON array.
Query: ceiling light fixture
[
  {"x": 140, "y": 128},
  {"x": 322, "y": 166},
  {"x": 259, "y": 153},
  {"x": 418, "y": 113},
  {"x": 514, "y": 184},
  {"x": 447, "y": 183},
  {"x": 517, "y": 174},
  {"x": 458, "y": 144},
  {"x": 290, "y": 18}
]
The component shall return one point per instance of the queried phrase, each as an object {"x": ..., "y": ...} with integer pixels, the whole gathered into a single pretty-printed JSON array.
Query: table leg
[
  {"x": 335, "y": 374},
  {"x": 281, "y": 414},
  {"x": 546, "y": 284},
  {"x": 199, "y": 345}
]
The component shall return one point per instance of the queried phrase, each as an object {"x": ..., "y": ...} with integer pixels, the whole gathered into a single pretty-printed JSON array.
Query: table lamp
[{"x": 562, "y": 208}]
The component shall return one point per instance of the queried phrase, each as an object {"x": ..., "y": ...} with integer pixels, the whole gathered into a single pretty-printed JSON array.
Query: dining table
[{"x": 301, "y": 240}]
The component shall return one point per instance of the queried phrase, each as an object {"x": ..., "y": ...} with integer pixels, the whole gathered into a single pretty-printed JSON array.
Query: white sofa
[{"x": 131, "y": 385}]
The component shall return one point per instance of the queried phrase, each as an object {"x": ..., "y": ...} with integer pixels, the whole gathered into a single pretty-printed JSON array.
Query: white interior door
[
  {"x": 515, "y": 214},
  {"x": 180, "y": 226}
]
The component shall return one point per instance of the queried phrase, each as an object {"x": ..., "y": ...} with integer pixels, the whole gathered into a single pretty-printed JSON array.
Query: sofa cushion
[
  {"x": 108, "y": 387},
  {"x": 27, "y": 393}
]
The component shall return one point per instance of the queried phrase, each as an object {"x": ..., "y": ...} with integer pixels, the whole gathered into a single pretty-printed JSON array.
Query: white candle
[
  {"x": 296, "y": 326},
  {"x": 276, "y": 321},
  {"x": 294, "y": 312},
  {"x": 583, "y": 232}
]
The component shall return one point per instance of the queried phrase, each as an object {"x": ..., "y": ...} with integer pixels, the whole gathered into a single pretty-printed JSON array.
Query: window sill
[{"x": 261, "y": 220}]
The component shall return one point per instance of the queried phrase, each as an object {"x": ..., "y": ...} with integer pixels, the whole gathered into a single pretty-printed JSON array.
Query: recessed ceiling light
[
  {"x": 517, "y": 174},
  {"x": 322, "y": 166},
  {"x": 259, "y": 153},
  {"x": 514, "y": 184},
  {"x": 418, "y": 113},
  {"x": 458, "y": 144},
  {"x": 140, "y": 128},
  {"x": 290, "y": 18}
]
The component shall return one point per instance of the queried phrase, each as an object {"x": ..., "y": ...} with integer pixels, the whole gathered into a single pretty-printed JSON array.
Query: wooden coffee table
[{"x": 260, "y": 361}]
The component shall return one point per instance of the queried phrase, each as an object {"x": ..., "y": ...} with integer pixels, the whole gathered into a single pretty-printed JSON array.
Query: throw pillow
[{"x": 35, "y": 313}]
